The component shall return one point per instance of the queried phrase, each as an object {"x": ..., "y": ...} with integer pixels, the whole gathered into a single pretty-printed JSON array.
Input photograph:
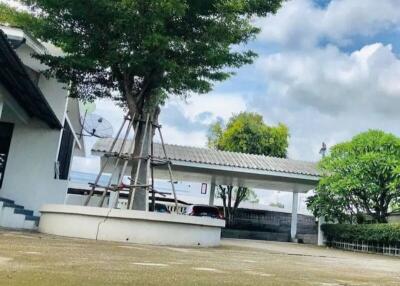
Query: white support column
[
  {"x": 321, "y": 236},
  {"x": 212, "y": 192},
  {"x": 293, "y": 225}
]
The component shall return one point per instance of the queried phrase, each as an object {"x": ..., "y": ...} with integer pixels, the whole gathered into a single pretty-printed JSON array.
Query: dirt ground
[{"x": 36, "y": 259}]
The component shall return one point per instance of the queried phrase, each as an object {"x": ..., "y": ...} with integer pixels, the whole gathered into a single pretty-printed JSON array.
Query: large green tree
[
  {"x": 245, "y": 132},
  {"x": 361, "y": 176},
  {"x": 139, "y": 52}
]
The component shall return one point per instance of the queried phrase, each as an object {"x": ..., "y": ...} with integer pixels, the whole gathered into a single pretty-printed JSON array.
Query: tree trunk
[
  {"x": 140, "y": 173},
  {"x": 241, "y": 194},
  {"x": 229, "y": 207},
  {"x": 141, "y": 109},
  {"x": 223, "y": 197}
]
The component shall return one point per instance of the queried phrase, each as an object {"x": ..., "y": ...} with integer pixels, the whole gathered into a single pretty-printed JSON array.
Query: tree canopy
[
  {"x": 137, "y": 51},
  {"x": 246, "y": 132},
  {"x": 361, "y": 176}
]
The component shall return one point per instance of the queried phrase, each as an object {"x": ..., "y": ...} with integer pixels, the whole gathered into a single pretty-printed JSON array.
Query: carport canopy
[{"x": 202, "y": 165}]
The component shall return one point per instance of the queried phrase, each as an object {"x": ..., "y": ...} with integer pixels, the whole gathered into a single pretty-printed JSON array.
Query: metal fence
[{"x": 392, "y": 250}]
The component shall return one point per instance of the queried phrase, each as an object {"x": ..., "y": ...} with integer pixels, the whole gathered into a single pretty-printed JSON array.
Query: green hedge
[{"x": 367, "y": 233}]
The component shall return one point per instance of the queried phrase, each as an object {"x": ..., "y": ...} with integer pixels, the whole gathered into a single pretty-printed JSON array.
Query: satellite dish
[{"x": 94, "y": 125}]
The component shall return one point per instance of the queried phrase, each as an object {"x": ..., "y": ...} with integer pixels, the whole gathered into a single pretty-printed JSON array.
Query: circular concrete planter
[{"x": 130, "y": 226}]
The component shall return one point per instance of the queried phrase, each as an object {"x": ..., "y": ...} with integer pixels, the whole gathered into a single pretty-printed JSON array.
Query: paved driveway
[{"x": 36, "y": 259}]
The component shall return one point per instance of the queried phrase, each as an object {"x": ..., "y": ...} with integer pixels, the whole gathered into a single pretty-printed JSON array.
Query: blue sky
[{"x": 327, "y": 69}]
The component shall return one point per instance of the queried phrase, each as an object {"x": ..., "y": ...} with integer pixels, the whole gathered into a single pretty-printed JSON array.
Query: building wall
[
  {"x": 270, "y": 225},
  {"x": 30, "y": 170},
  {"x": 394, "y": 218},
  {"x": 55, "y": 94},
  {"x": 29, "y": 175},
  {"x": 54, "y": 91},
  {"x": 276, "y": 222}
]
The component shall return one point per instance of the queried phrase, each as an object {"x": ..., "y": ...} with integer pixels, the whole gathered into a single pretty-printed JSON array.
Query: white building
[{"x": 38, "y": 126}]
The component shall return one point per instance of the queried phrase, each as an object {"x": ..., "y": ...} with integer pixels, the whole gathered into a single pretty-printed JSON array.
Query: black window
[
  {"x": 65, "y": 153},
  {"x": 205, "y": 211},
  {"x": 6, "y": 130}
]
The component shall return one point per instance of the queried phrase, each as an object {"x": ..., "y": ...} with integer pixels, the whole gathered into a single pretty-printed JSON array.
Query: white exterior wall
[
  {"x": 30, "y": 169},
  {"x": 29, "y": 174},
  {"x": 56, "y": 96},
  {"x": 54, "y": 91}
]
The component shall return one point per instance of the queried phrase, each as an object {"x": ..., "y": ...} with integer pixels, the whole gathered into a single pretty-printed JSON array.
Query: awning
[{"x": 227, "y": 168}]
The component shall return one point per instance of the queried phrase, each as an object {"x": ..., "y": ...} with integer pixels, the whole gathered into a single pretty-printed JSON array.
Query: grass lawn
[{"x": 35, "y": 259}]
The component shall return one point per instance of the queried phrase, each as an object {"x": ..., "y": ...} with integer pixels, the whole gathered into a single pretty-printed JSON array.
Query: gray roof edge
[
  {"x": 242, "y": 153},
  {"x": 306, "y": 168},
  {"x": 297, "y": 175}
]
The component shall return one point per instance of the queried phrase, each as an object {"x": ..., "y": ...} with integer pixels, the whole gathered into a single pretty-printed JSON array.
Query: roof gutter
[{"x": 19, "y": 35}]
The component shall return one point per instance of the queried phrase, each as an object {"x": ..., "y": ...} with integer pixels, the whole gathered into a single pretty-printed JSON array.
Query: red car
[{"x": 203, "y": 210}]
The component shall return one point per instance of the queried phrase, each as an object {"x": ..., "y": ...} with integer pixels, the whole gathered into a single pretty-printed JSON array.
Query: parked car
[
  {"x": 203, "y": 210},
  {"x": 159, "y": 208}
]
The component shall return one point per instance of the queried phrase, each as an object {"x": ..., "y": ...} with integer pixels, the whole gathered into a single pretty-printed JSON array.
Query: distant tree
[
  {"x": 245, "y": 132},
  {"x": 139, "y": 52},
  {"x": 361, "y": 176},
  {"x": 277, "y": 205}
]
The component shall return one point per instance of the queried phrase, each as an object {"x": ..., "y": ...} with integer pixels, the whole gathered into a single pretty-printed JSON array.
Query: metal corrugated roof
[{"x": 219, "y": 158}]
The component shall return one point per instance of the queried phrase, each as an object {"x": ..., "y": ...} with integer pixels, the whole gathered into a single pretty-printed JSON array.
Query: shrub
[{"x": 367, "y": 233}]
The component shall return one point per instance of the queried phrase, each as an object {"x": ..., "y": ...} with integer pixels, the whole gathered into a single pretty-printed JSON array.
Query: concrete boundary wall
[
  {"x": 258, "y": 235},
  {"x": 130, "y": 226}
]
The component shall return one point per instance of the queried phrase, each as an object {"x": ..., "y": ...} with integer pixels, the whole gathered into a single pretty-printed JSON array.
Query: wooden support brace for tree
[
  {"x": 127, "y": 157},
  {"x": 102, "y": 168},
  {"x": 169, "y": 169},
  {"x": 121, "y": 150},
  {"x": 131, "y": 150},
  {"x": 132, "y": 196}
]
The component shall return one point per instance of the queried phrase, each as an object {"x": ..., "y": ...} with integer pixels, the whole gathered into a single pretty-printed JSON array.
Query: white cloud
[
  {"x": 186, "y": 123},
  {"x": 219, "y": 105},
  {"x": 321, "y": 91},
  {"x": 327, "y": 95},
  {"x": 172, "y": 135},
  {"x": 334, "y": 82},
  {"x": 302, "y": 24}
]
